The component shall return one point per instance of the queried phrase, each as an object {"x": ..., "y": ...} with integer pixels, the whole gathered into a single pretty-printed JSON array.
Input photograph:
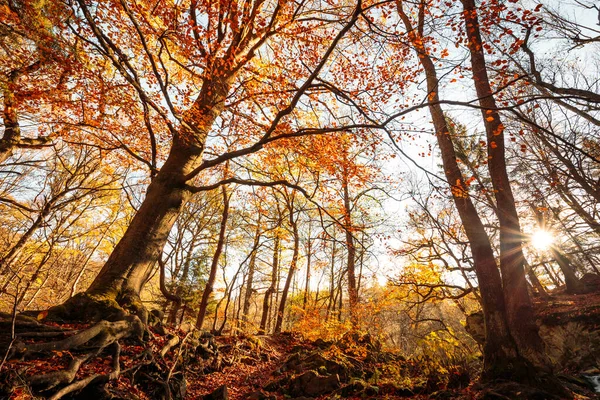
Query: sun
[{"x": 542, "y": 239}]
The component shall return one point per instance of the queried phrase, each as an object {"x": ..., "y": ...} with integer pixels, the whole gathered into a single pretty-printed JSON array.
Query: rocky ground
[{"x": 174, "y": 364}]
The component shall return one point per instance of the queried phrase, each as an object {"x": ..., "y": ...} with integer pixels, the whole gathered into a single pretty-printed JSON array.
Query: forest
[{"x": 299, "y": 199}]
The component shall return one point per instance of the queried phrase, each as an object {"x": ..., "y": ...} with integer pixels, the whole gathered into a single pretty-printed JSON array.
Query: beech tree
[{"x": 216, "y": 45}]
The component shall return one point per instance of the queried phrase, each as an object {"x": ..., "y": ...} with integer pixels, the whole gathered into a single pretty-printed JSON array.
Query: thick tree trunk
[
  {"x": 122, "y": 277},
  {"x": 214, "y": 266},
  {"x": 521, "y": 318}
]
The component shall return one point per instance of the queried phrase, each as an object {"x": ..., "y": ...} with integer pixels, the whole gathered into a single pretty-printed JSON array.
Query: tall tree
[
  {"x": 521, "y": 318},
  {"x": 224, "y": 38},
  {"x": 501, "y": 358}
]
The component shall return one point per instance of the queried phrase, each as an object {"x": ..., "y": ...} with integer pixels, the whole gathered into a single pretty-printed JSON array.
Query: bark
[
  {"x": 351, "y": 248},
  {"x": 291, "y": 271},
  {"x": 215, "y": 261},
  {"x": 501, "y": 358},
  {"x": 123, "y": 275},
  {"x": 308, "y": 262},
  {"x": 251, "y": 268},
  {"x": 572, "y": 282},
  {"x": 521, "y": 318},
  {"x": 272, "y": 287}
]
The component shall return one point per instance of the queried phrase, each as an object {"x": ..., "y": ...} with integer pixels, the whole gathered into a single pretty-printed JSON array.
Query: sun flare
[{"x": 542, "y": 239}]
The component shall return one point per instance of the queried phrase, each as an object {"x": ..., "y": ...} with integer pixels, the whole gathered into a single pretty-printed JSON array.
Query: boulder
[
  {"x": 569, "y": 327},
  {"x": 312, "y": 384},
  {"x": 259, "y": 395}
]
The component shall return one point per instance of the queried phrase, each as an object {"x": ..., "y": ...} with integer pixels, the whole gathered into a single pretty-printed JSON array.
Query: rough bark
[{"x": 123, "y": 275}]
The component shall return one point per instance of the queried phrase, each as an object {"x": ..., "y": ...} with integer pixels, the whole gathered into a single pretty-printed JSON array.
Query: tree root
[
  {"x": 95, "y": 379},
  {"x": 101, "y": 335},
  {"x": 50, "y": 380},
  {"x": 160, "y": 374}
]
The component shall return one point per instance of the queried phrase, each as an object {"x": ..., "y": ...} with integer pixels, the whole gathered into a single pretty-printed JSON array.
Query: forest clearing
[{"x": 299, "y": 199}]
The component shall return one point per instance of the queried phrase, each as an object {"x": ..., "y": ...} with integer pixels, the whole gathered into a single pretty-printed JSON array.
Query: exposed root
[
  {"x": 50, "y": 380},
  {"x": 96, "y": 379},
  {"x": 100, "y": 335},
  {"x": 159, "y": 368},
  {"x": 88, "y": 308}
]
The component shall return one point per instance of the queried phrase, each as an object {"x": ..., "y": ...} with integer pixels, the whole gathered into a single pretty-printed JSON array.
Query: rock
[
  {"x": 275, "y": 385},
  {"x": 221, "y": 393},
  {"x": 571, "y": 345},
  {"x": 354, "y": 388},
  {"x": 475, "y": 326},
  {"x": 591, "y": 283},
  {"x": 259, "y": 395},
  {"x": 312, "y": 384},
  {"x": 569, "y": 327},
  {"x": 315, "y": 361}
]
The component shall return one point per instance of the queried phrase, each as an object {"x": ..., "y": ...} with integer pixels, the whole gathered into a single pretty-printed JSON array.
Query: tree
[
  {"x": 224, "y": 54},
  {"x": 500, "y": 353}
]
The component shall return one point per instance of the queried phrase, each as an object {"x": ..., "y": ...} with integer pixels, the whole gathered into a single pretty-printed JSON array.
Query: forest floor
[{"x": 276, "y": 367}]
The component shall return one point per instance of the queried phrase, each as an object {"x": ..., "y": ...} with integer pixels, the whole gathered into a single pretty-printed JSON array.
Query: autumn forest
[{"x": 299, "y": 199}]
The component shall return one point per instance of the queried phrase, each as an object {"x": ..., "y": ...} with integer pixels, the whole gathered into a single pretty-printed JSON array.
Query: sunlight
[
  {"x": 542, "y": 239},
  {"x": 382, "y": 280}
]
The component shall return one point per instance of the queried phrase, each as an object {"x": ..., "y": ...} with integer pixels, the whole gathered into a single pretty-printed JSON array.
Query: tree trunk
[
  {"x": 572, "y": 282},
  {"x": 251, "y": 268},
  {"x": 501, "y": 358},
  {"x": 521, "y": 318},
  {"x": 331, "y": 300},
  {"x": 308, "y": 261},
  {"x": 292, "y": 270},
  {"x": 215, "y": 261},
  {"x": 351, "y": 260},
  {"x": 272, "y": 287},
  {"x": 121, "y": 279}
]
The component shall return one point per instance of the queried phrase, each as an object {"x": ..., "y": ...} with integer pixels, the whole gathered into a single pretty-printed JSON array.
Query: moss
[{"x": 87, "y": 308}]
